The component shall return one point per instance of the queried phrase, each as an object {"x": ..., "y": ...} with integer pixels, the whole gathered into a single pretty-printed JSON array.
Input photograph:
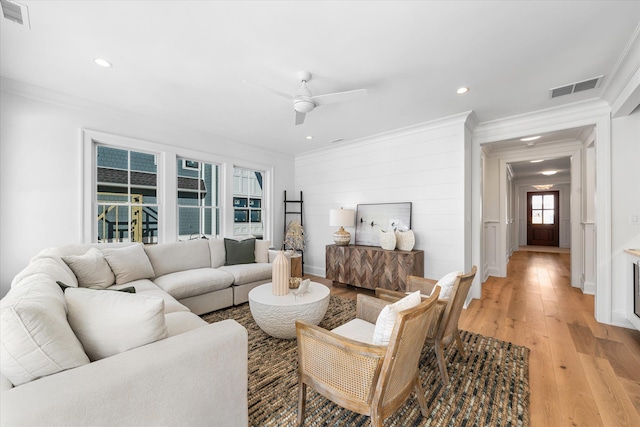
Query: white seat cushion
[
  {"x": 108, "y": 323},
  {"x": 357, "y": 329},
  {"x": 248, "y": 273},
  {"x": 183, "y": 284},
  {"x": 182, "y": 321},
  {"x": 36, "y": 339}
]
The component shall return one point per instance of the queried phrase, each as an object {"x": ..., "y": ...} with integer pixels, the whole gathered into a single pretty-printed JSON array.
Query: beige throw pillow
[
  {"x": 91, "y": 269},
  {"x": 387, "y": 317},
  {"x": 129, "y": 263},
  {"x": 108, "y": 323},
  {"x": 262, "y": 251}
]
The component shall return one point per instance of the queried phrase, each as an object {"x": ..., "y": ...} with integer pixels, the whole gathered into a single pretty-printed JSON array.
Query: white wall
[
  {"x": 424, "y": 165},
  {"x": 625, "y": 203},
  {"x": 41, "y": 197}
]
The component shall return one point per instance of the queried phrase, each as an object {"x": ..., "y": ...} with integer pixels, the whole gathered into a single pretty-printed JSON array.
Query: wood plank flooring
[{"x": 581, "y": 372}]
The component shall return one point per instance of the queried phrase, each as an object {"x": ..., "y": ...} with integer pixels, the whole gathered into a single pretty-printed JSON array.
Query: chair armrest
[
  {"x": 368, "y": 308},
  {"x": 354, "y": 366},
  {"x": 389, "y": 295}
]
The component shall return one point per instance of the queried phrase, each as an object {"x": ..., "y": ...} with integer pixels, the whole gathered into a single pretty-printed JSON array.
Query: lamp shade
[{"x": 341, "y": 218}]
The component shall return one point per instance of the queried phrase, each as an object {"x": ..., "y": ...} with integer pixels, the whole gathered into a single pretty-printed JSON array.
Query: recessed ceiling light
[
  {"x": 530, "y": 138},
  {"x": 536, "y": 161},
  {"x": 309, "y": 137},
  {"x": 462, "y": 90},
  {"x": 103, "y": 63},
  {"x": 548, "y": 173}
]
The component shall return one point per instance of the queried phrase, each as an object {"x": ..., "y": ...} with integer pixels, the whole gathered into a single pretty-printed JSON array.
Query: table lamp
[{"x": 341, "y": 218}]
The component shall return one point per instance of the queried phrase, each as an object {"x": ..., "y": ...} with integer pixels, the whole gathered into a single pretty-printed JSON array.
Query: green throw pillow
[
  {"x": 129, "y": 289},
  {"x": 240, "y": 251}
]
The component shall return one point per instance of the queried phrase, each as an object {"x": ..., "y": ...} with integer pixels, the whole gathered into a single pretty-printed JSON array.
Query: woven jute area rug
[{"x": 490, "y": 387}]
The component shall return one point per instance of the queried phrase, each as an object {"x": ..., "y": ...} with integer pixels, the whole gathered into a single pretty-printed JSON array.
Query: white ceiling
[{"x": 183, "y": 61}]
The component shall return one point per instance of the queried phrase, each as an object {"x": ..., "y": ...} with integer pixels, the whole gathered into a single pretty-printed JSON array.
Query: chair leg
[
  {"x": 421, "y": 398},
  {"x": 302, "y": 402},
  {"x": 441, "y": 364},
  {"x": 463, "y": 352},
  {"x": 375, "y": 419}
]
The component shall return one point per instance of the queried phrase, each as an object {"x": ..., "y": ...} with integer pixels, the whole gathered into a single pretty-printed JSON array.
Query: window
[
  {"x": 126, "y": 195},
  {"x": 248, "y": 202},
  {"x": 198, "y": 199},
  {"x": 542, "y": 209}
]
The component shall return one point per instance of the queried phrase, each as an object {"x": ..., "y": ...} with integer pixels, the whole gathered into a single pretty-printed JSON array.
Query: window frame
[{"x": 216, "y": 208}]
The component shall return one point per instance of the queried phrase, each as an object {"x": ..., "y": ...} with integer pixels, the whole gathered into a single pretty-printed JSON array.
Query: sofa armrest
[{"x": 194, "y": 379}]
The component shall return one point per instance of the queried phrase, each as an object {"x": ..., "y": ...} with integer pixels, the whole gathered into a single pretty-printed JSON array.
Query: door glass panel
[
  {"x": 536, "y": 202},
  {"x": 548, "y": 201},
  {"x": 536, "y": 217},
  {"x": 548, "y": 216}
]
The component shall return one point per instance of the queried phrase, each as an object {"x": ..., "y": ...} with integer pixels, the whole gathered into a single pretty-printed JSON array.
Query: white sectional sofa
[{"x": 86, "y": 355}]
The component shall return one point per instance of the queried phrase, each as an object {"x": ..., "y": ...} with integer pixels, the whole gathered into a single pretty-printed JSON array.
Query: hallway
[{"x": 581, "y": 372}]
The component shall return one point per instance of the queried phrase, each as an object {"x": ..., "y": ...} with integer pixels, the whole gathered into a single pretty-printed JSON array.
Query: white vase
[
  {"x": 387, "y": 240},
  {"x": 280, "y": 275},
  {"x": 405, "y": 240}
]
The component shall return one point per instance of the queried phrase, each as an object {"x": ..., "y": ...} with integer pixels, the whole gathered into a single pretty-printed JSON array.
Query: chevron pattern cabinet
[{"x": 372, "y": 267}]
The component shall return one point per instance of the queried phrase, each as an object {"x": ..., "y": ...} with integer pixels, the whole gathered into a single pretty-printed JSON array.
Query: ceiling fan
[{"x": 304, "y": 102}]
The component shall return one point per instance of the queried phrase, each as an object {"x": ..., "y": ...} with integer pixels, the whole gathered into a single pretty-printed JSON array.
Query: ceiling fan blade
[
  {"x": 299, "y": 118},
  {"x": 332, "y": 98},
  {"x": 268, "y": 89}
]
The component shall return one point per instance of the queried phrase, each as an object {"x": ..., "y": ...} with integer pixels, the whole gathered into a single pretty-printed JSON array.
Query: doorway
[{"x": 543, "y": 214}]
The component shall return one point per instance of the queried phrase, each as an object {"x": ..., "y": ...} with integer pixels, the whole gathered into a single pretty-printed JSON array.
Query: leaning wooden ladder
[{"x": 297, "y": 204}]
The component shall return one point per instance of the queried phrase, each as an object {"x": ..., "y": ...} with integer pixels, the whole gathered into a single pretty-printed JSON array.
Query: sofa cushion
[
  {"x": 91, "y": 269},
  {"x": 54, "y": 266},
  {"x": 218, "y": 254},
  {"x": 189, "y": 283},
  {"x": 129, "y": 263},
  {"x": 171, "y": 257},
  {"x": 36, "y": 338},
  {"x": 262, "y": 251},
  {"x": 248, "y": 273},
  {"x": 240, "y": 251},
  {"x": 108, "y": 323},
  {"x": 182, "y": 321}
]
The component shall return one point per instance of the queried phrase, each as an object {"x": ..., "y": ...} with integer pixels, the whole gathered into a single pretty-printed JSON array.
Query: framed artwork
[{"x": 371, "y": 218}]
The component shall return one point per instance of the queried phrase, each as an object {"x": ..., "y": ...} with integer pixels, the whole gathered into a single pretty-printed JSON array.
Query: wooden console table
[{"x": 372, "y": 267}]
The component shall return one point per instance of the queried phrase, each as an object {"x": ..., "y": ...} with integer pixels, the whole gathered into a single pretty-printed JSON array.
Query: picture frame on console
[{"x": 371, "y": 218}]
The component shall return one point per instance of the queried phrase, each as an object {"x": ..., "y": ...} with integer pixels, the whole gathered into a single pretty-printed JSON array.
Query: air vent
[
  {"x": 576, "y": 87},
  {"x": 15, "y": 12}
]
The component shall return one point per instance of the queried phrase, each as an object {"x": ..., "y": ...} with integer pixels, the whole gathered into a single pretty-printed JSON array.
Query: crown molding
[
  {"x": 456, "y": 119},
  {"x": 548, "y": 120}
]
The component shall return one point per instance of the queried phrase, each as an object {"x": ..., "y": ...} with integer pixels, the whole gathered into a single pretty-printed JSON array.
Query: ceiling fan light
[{"x": 303, "y": 105}]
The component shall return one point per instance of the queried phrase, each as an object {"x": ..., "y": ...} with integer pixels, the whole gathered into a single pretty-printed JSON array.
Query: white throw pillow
[
  {"x": 387, "y": 317},
  {"x": 129, "y": 263},
  {"x": 108, "y": 322},
  {"x": 91, "y": 269},
  {"x": 36, "y": 338},
  {"x": 446, "y": 284}
]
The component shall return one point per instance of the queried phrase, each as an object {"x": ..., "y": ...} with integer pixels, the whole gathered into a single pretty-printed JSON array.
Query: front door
[{"x": 542, "y": 219}]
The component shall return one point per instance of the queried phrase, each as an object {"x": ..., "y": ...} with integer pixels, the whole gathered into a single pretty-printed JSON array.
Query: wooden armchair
[
  {"x": 445, "y": 329},
  {"x": 369, "y": 379}
]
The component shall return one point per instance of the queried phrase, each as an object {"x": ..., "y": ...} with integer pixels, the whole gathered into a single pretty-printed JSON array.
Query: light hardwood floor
[{"x": 581, "y": 372}]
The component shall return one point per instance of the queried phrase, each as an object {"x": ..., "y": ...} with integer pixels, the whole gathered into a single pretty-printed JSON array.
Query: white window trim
[{"x": 90, "y": 140}]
